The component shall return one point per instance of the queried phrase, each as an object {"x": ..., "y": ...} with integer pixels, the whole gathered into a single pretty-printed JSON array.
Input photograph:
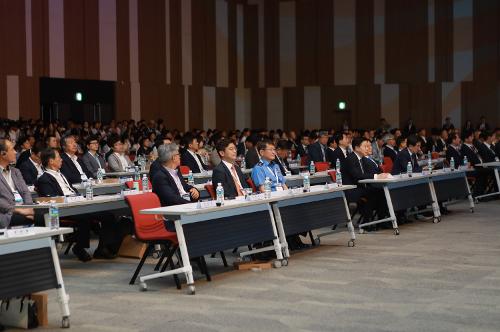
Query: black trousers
[
  {"x": 109, "y": 230},
  {"x": 20, "y": 220}
]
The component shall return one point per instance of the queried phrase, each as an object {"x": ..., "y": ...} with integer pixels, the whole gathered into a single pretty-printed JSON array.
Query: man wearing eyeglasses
[
  {"x": 92, "y": 160},
  {"x": 267, "y": 168}
]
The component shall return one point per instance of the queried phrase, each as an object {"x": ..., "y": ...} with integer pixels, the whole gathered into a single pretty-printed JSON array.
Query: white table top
[
  {"x": 34, "y": 233},
  {"x": 491, "y": 164},
  {"x": 415, "y": 176},
  {"x": 101, "y": 199}
]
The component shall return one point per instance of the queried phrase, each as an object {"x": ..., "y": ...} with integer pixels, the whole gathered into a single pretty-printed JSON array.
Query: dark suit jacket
[
  {"x": 29, "y": 172},
  {"x": 302, "y": 151},
  {"x": 188, "y": 160},
  {"x": 241, "y": 149},
  {"x": 332, "y": 156},
  {"x": 370, "y": 166},
  {"x": 315, "y": 153},
  {"x": 472, "y": 156},
  {"x": 425, "y": 145},
  {"x": 7, "y": 199},
  {"x": 440, "y": 145},
  {"x": 69, "y": 169},
  {"x": 92, "y": 165},
  {"x": 221, "y": 174},
  {"x": 155, "y": 167},
  {"x": 388, "y": 152},
  {"x": 352, "y": 171},
  {"x": 497, "y": 149},
  {"x": 251, "y": 158},
  {"x": 487, "y": 154},
  {"x": 457, "y": 156},
  {"x": 164, "y": 186},
  {"x": 47, "y": 186},
  {"x": 23, "y": 157},
  {"x": 402, "y": 160},
  {"x": 282, "y": 163}
]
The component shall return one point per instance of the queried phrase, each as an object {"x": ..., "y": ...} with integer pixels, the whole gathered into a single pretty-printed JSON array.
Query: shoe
[
  {"x": 81, "y": 254},
  {"x": 103, "y": 253}
]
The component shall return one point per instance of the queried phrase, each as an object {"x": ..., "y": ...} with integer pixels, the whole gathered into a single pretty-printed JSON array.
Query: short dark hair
[
  {"x": 466, "y": 134},
  {"x": 452, "y": 137},
  {"x": 47, "y": 155},
  {"x": 91, "y": 138},
  {"x": 485, "y": 134},
  {"x": 3, "y": 145},
  {"x": 412, "y": 140},
  {"x": 35, "y": 149},
  {"x": 223, "y": 144},
  {"x": 262, "y": 145},
  {"x": 282, "y": 145},
  {"x": 188, "y": 139},
  {"x": 339, "y": 136},
  {"x": 357, "y": 141}
]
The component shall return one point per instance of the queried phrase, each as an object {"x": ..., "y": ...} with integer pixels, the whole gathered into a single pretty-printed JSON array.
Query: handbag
[{"x": 19, "y": 312}]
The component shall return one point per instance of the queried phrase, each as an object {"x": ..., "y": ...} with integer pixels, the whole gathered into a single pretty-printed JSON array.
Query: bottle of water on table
[
  {"x": 452, "y": 164},
  {"x": 243, "y": 163},
  {"x": 219, "y": 192},
  {"x": 89, "y": 190},
  {"x": 338, "y": 177},
  {"x": 466, "y": 162},
  {"x": 429, "y": 162},
  {"x": 409, "y": 169},
  {"x": 137, "y": 174},
  {"x": 190, "y": 178},
  {"x": 145, "y": 183},
  {"x": 267, "y": 188},
  {"x": 100, "y": 175},
  {"x": 306, "y": 183},
  {"x": 337, "y": 164},
  {"x": 312, "y": 168},
  {"x": 54, "y": 216}
]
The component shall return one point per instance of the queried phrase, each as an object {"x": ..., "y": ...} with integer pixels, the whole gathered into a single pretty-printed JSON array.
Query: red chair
[
  {"x": 304, "y": 160},
  {"x": 294, "y": 154},
  {"x": 130, "y": 184},
  {"x": 333, "y": 176},
  {"x": 322, "y": 166},
  {"x": 386, "y": 168},
  {"x": 184, "y": 170},
  {"x": 151, "y": 230},
  {"x": 435, "y": 155},
  {"x": 252, "y": 185},
  {"x": 210, "y": 189}
]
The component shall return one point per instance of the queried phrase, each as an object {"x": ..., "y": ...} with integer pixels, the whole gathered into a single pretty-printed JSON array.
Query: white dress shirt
[
  {"x": 237, "y": 178},
  {"x": 195, "y": 156},
  {"x": 74, "y": 159},
  {"x": 122, "y": 160},
  {"x": 177, "y": 181},
  {"x": 62, "y": 181},
  {"x": 38, "y": 168}
]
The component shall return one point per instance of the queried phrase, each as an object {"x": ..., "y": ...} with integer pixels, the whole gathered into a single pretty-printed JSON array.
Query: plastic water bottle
[
  {"x": 429, "y": 162},
  {"x": 452, "y": 164},
  {"x": 337, "y": 164},
  {"x": 312, "y": 168},
  {"x": 338, "y": 177},
  {"x": 137, "y": 174},
  {"x": 466, "y": 162},
  {"x": 89, "y": 190},
  {"x": 100, "y": 175},
  {"x": 145, "y": 183},
  {"x": 409, "y": 169},
  {"x": 243, "y": 163},
  {"x": 289, "y": 156},
  {"x": 267, "y": 188},
  {"x": 219, "y": 194},
  {"x": 298, "y": 160},
  {"x": 190, "y": 178},
  {"x": 306, "y": 183},
  {"x": 54, "y": 216}
]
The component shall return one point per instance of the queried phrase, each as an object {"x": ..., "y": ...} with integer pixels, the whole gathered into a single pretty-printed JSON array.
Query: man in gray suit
[
  {"x": 13, "y": 190},
  {"x": 118, "y": 161},
  {"x": 92, "y": 160}
]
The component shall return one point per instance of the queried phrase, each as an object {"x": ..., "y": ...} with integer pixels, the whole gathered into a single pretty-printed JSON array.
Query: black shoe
[
  {"x": 103, "y": 253},
  {"x": 81, "y": 254}
]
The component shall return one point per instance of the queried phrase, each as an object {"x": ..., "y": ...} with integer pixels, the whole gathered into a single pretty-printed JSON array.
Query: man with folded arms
[{"x": 227, "y": 173}]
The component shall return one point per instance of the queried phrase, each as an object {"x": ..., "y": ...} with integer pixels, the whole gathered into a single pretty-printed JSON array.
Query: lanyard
[{"x": 275, "y": 174}]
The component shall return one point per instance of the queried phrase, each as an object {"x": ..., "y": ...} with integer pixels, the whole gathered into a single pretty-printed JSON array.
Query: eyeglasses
[{"x": 273, "y": 150}]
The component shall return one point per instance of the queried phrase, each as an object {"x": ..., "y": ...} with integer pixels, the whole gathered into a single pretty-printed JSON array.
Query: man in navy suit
[
  {"x": 409, "y": 154},
  {"x": 486, "y": 148},
  {"x": 190, "y": 158},
  {"x": 227, "y": 173},
  {"x": 340, "y": 153},
  {"x": 168, "y": 182},
  {"x": 453, "y": 150},
  {"x": 31, "y": 169},
  {"x": 390, "y": 149},
  {"x": 481, "y": 174},
  {"x": 317, "y": 151},
  {"x": 72, "y": 167}
]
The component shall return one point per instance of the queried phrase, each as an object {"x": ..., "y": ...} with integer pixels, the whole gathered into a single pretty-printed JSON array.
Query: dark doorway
[{"x": 77, "y": 100}]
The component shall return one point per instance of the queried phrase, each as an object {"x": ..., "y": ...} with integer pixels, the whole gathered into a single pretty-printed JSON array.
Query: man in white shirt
[
  {"x": 118, "y": 161},
  {"x": 190, "y": 158},
  {"x": 31, "y": 169},
  {"x": 72, "y": 166}
]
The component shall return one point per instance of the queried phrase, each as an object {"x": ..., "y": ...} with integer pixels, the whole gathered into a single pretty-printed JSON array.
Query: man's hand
[
  {"x": 194, "y": 193},
  {"x": 28, "y": 213},
  {"x": 383, "y": 176}
]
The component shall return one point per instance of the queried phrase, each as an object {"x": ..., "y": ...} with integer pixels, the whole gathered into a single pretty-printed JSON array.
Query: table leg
[
  {"x": 62, "y": 296},
  {"x": 435, "y": 204},
  {"x": 469, "y": 194},
  {"x": 390, "y": 207},
  {"x": 276, "y": 240},
  {"x": 350, "y": 227},
  {"x": 281, "y": 230}
]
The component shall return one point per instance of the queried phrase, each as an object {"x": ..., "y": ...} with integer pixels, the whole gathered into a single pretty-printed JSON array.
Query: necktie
[
  {"x": 361, "y": 165},
  {"x": 67, "y": 183},
  {"x": 235, "y": 179},
  {"x": 323, "y": 152}
]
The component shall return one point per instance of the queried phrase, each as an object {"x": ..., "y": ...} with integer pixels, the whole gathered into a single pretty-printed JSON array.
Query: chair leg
[
  {"x": 312, "y": 238},
  {"x": 141, "y": 263},
  {"x": 70, "y": 244},
  {"x": 205, "y": 268},
  {"x": 223, "y": 258},
  {"x": 235, "y": 250},
  {"x": 160, "y": 261},
  {"x": 170, "y": 262},
  {"x": 213, "y": 255}
]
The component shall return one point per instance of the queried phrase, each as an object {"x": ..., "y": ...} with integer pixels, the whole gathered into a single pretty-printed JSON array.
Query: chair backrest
[
  {"x": 130, "y": 184},
  {"x": 210, "y": 189},
  {"x": 388, "y": 161},
  {"x": 294, "y": 154},
  {"x": 146, "y": 225},
  {"x": 386, "y": 168},
  {"x": 322, "y": 166},
  {"x": 304, "y": 160},
  {"x": 435, "y": 155},
  {"x": 184, "y": 169},
  {"x": 252, "y": 185},
  {"x": 333, "y": 175}
]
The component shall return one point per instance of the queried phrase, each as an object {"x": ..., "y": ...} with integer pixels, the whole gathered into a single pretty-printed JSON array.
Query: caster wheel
[
  {"x": 317, "y": 241},
  {"x": 65, "y": 322},
  {"x": 156, "y": 254},
  {"x": 191, "y": 290},
  {"x": 471, "y": 210},
  {"x": 247, "y": 258},
  {"x": 277, "y": 264},
  {"x": 284, "y": 262},
  {"x": 351, "y": 243},
  {"x": 436, "y": 220},
  {"x": 334, "y": 227},
  {"x": 361, "y": 231},
  {"x": 59, "y": 245},
  {"x": 143, "y": 287},
  {"x": 396, "y": 231}
]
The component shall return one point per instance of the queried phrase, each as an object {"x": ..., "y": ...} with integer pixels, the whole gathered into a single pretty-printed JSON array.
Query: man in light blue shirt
[{"x": 267, "y": 168}]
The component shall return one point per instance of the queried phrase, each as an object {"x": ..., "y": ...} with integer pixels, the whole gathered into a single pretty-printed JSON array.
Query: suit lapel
[
  {"x": 7, "y": 187},
  {"x": 230, "y": 177}
]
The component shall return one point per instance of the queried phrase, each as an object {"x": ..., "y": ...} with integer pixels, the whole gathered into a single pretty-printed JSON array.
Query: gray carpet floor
[{"x": 432, "y": 277}]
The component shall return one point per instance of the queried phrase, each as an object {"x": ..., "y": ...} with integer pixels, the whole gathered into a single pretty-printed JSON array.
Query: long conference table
[
  {"x": 495, "y": 166},
  {"x": 204, "y": 229}
]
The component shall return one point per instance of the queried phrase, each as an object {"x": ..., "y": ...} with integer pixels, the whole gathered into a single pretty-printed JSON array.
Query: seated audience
[
  {"x": 92, "y": 160},
  {"x": 390, "y": 147},
  {"x": 317, "y": 151},
  {"x": 118, "y": 161},
  {"x": 408, "y": 155},
  {"x": 281, "y": 157},
  {"x": 227, "y": 173},
  {"x": 32, "y": 168},
  {"x": 190, "y": 158},
  {"x": 266, "y": 168},
  {"x": 72, "y": 166}
]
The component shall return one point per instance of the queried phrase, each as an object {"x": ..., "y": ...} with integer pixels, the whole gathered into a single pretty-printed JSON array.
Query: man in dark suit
[
  {"x": 453, "y": 150},
  {"x": 53, "y": 183},
  {"x": 317, "y": 151},
  {"x": 251, "y": 157},
  {"x": 168, "y": 182},
  {"x": 92, "y": 160},
  {"x": 425, "y": 142},
  {"x": 25, "y": 153},
  {"x": 409, "y": 154},
  {"x": 13, "y": 190},
  {"x": 303, "y": 147},
  {"x": 72, "y": 166},
  {"x": 227, "y": 173},
  {"x": 485, "y": 149},
  {"x": 390, "y": 149},
  {"x": 31, "y": 169},
  {"x": 340, "y": 153},
  {"x": 410, "y": 128},
  {"x": 441, "y": 142},
  {"x": 481, "y": 174},
  {"x": 190, "y": 158},
  {"x": 281, "y": 157}
]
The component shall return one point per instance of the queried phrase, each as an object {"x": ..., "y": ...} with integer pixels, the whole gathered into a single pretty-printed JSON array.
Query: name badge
[
  {"x": 17, "y": 198},
  {"x": 83, "y": 177}
]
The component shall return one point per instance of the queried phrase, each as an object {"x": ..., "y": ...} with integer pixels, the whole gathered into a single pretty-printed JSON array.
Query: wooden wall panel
[
  {"x": 307, "y": 42},
  {"x": 232, "y": 47},
  {"x": 224, "y": 99},
  {"x": 422, "y": 103},
  {"x": 123, "y": 101},
  {"x": 173, "y": 111},
  {"x": 3, "y": 96},
  {"x": 368, "y": 106},
  {"x": 325, "y": 43},
  {"x": 271, "y": 43},
  {"x": 91, "y": 36},
  {"x": 40, "y": 37},
  {"x": 195, "y": 107},
  {"x": 175, "y": 42},
  {"x": 251, "y": 46},
  {"x": 203, "y": 39},
  {"x": 293, "y": 108},
  {"x": 74, "y": 39},
  {"x": 29, "y": 96},
  {"x": 485, "y": 38},
  {"x": 444, "y": 40},
  {"x": 365, "y": 44},
  {"x": 330, "y": 96},
  {"x": 481, "y": 99},
  {"x": 123, "y": 42},
  {"x": 259, "y": 108},
  {"x": 12, "y": 37}
]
